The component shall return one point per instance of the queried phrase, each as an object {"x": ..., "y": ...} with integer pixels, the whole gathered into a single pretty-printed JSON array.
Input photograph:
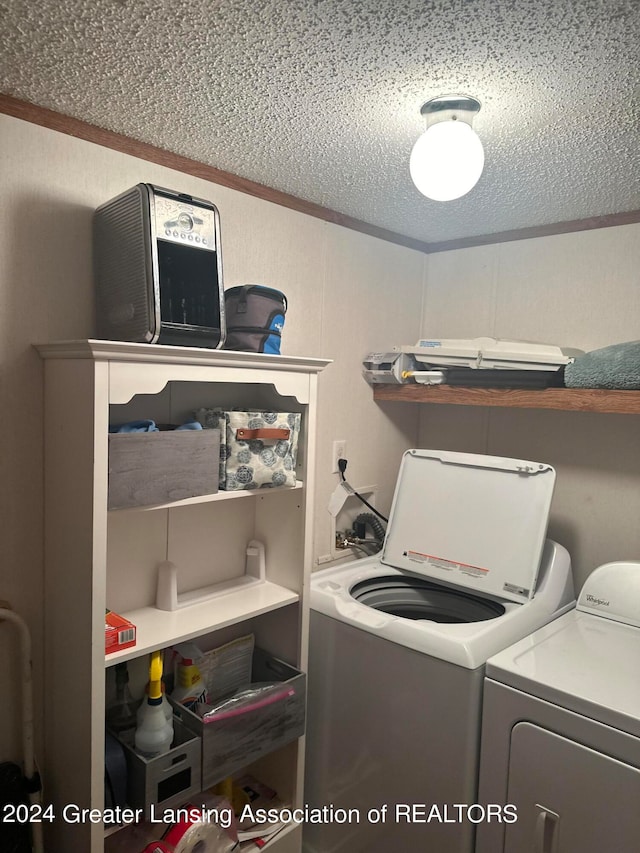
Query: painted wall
[
  {"x": 577, "y": 290},
  {"x": 348, "y": 294}
]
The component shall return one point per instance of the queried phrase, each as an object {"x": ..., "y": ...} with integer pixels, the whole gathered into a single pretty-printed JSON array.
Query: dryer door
[{"x": 570, "y": 799}]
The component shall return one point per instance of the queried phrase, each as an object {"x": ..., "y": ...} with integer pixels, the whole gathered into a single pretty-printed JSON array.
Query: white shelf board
[
  {"x": 99, "y": 350},
  {"x": 218, "y": 496},
  {"x": 156, "y": 629}
]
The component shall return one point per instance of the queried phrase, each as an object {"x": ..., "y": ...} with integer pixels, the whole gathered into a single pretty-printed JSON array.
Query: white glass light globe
[{"x": 447, "y": 160}]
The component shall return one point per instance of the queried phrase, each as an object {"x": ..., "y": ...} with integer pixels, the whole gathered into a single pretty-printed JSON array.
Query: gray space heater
[{"x": 158, "y": 269}]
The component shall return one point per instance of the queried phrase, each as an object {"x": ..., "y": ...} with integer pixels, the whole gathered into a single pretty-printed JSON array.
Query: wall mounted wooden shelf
[{"x": 564, "y": 399}]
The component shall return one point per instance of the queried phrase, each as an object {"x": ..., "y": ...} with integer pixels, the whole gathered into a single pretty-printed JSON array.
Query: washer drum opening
[{"x": 413, "y": 598}]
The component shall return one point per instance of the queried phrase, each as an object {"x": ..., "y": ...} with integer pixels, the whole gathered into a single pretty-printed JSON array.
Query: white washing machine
[
  {"x": 561, "y": 727},
  {"x": 399, "y": 642}
]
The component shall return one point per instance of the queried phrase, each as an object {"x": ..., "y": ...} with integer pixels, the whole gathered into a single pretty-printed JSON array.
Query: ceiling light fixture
[{"x": 447, "y": 160}]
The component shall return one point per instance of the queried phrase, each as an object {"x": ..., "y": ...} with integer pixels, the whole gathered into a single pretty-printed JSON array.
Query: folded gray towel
[{"x": 616, "y": 366}]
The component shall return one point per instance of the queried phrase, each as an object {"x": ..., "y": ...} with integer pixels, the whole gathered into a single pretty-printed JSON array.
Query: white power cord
[{"x": 28, "y": 757}]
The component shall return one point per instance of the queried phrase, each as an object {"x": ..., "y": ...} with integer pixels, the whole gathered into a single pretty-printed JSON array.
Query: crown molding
[{"x": 144, "y": 151}]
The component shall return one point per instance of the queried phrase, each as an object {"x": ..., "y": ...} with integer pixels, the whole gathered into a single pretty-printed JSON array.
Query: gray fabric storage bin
[
  {"x": 149, "y": 468},
  {"x": 230, "y": 744}
]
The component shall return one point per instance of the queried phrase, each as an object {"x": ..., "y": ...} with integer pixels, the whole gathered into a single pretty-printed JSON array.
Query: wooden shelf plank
[{"x": 564, "y": 399}]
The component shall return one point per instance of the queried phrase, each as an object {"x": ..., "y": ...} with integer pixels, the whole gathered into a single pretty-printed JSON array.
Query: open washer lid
[{"x": 472, "y": 521}]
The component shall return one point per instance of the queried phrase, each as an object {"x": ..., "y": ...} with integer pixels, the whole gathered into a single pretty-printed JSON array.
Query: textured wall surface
[
  {"x": 576, "y": 290},
  {"x": 321, "y": 98},
  {"x": 348, "y": 294}
]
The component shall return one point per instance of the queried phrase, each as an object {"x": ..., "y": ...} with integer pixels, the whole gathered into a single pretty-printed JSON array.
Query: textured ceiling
[{"x": 321, "y": 98}]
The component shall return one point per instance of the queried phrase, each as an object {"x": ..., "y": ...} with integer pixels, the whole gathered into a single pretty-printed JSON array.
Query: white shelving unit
[{"x": 97, "y": 558}]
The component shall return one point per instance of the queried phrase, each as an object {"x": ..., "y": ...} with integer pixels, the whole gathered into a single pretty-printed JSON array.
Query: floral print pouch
[{"x": 257, "y": 449}]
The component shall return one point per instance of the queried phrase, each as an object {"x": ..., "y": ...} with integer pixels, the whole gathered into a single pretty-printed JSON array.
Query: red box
[{"x": 119, "y": 633}]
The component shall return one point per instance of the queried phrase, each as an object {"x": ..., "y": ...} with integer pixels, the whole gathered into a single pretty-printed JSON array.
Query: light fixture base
[{"x": 450, "y": 108}]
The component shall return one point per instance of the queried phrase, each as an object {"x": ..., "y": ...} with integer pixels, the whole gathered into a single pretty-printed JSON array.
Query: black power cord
[{"x": 342, "y": 467}]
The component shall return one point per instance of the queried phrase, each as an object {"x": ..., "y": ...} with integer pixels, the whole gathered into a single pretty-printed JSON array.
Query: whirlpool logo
[{"x": 597, "y": 602}]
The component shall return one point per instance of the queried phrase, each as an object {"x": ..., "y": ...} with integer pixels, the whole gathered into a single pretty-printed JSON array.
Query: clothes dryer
[
  {"x": 561, "y": 727},
  {"x": 399, "y": 643}
]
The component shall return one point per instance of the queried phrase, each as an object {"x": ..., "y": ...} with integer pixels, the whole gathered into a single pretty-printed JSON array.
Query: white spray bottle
[{"x": 154, "y": 733}]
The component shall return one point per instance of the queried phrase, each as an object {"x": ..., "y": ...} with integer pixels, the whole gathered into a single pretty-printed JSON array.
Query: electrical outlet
[{"x": 339, "y": 452}]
